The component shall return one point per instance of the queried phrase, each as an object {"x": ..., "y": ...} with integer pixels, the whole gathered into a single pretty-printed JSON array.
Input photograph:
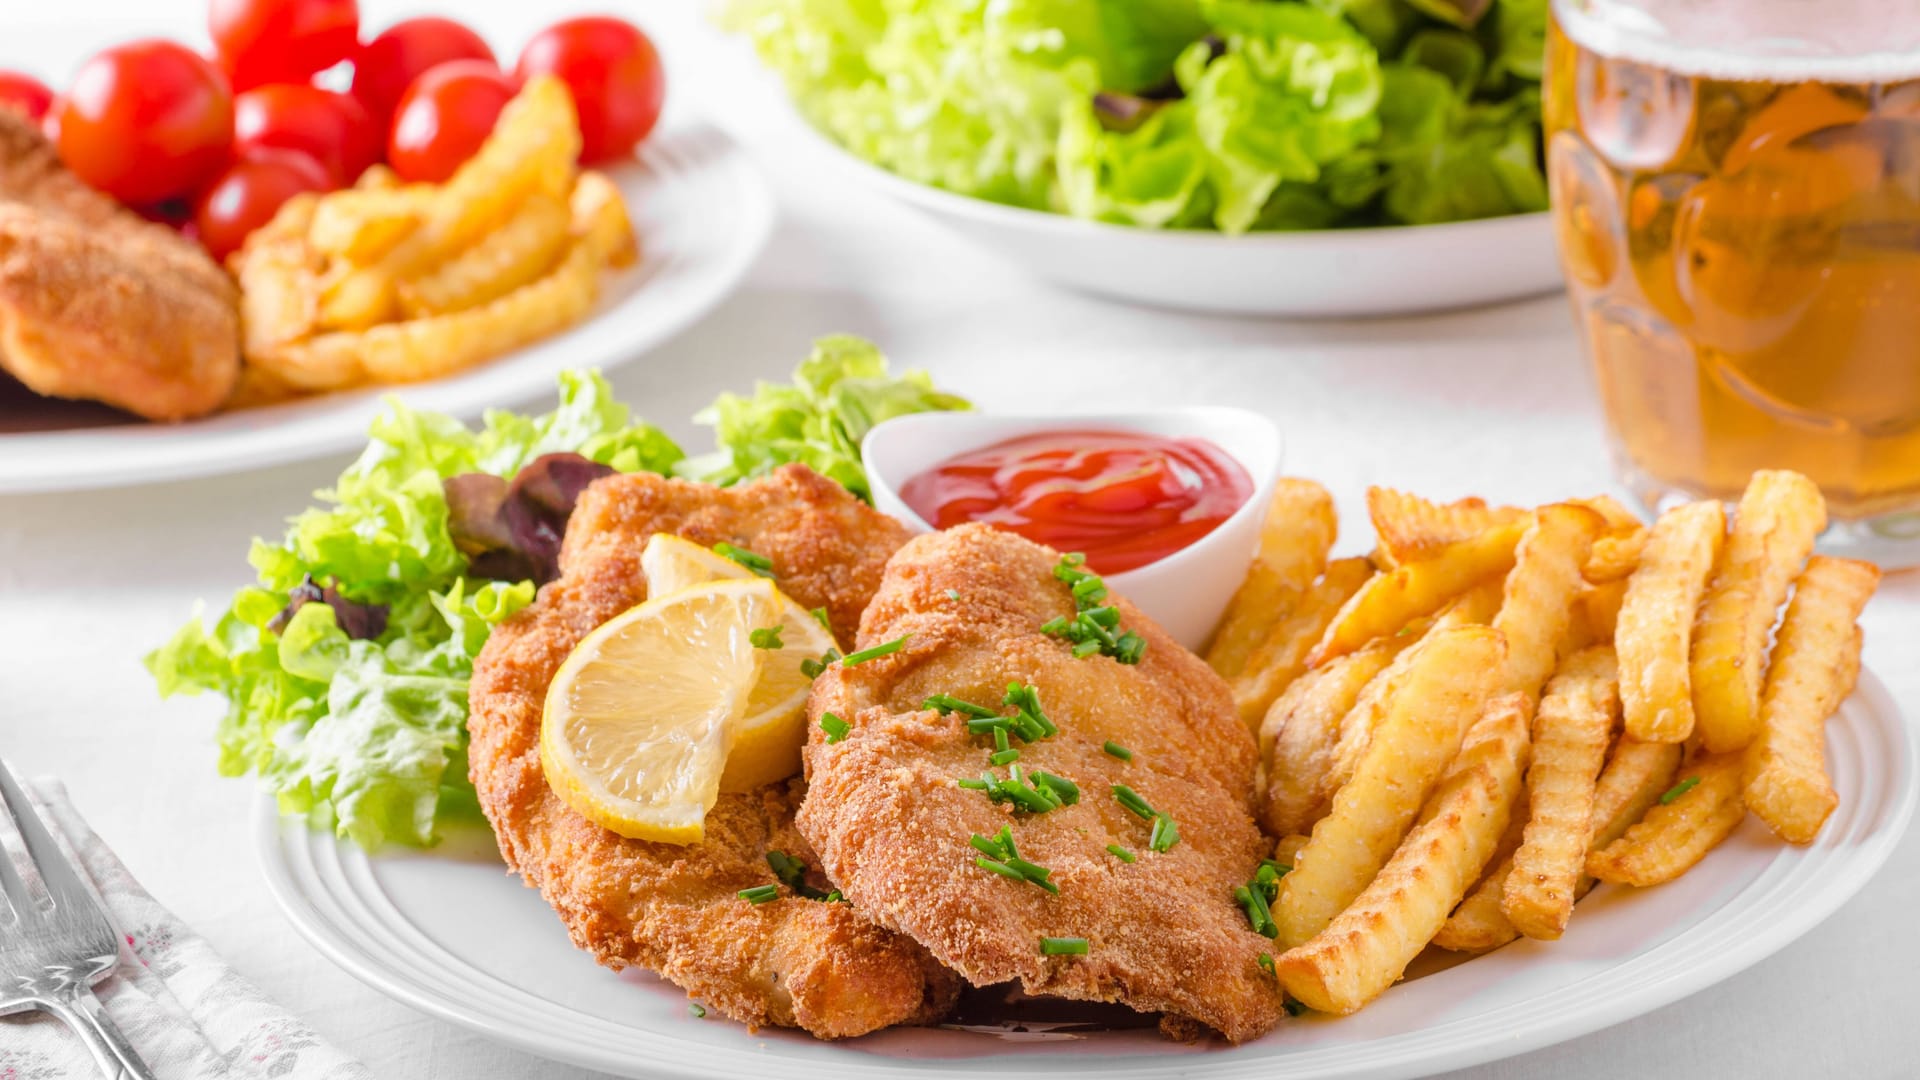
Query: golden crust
[
  {"x": 892, "y": 828},
  {"x": 96, "y": 303},
  {"x": 672, "y": 909}
]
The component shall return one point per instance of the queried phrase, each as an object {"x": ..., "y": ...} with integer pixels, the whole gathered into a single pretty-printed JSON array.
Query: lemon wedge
[
  {"x": 768, "y": 738},
  {"x": 641, "y": 718}
]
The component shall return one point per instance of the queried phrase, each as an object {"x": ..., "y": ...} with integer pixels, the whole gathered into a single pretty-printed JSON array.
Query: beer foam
[{"x": 1838, "y": 41}]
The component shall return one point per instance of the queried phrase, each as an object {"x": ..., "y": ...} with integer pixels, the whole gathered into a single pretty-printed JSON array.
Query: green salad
[
  {"x": 1235, "y": 115},
  {"x": 345, "y": 665}
]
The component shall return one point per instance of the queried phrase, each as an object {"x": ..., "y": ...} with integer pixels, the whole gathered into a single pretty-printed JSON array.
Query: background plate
[
  {"x": 449, "y": 932},
  {"x": 702, "y": 213}
]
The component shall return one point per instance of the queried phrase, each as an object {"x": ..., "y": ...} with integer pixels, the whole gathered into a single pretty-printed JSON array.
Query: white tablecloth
[{"x": 1494, "y": 401}]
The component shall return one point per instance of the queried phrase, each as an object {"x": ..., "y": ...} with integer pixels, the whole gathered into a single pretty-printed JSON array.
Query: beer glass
[{"x": 1737, "y": 190}]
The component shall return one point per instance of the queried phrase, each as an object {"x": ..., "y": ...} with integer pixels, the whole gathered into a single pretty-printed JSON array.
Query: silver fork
[{"x": 55, "y": 943}]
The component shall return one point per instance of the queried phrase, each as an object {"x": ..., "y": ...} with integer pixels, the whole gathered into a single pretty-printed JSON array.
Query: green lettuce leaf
[
  {"x": 839, "y": 392},
  {"x": 369, "y": 737}
]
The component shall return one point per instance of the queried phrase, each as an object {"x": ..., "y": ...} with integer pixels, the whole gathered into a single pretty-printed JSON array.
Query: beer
[{"x": 1737, "y": 190}]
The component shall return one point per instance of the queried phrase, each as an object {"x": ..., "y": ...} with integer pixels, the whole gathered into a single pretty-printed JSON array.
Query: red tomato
[
  {"x": 444, "y": 117},
  {"x": 614, "y": 74},
  {"x": 26, "y": 93},
  {"x": 145, "y": 121},
  {"x": 403, "y": 52},
  {"x": 330, "y": 128},
  {"x": 269, "y": 41},
  {"x": 250, "y": 192}
]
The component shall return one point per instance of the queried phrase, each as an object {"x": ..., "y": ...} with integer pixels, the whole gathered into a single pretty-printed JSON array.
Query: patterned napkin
[{"x": 187, "y": 1013}]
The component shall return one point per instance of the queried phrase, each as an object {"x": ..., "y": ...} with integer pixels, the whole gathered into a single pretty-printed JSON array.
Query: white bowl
[
  {"x": 1186, "y": 592},
  {"x": 1389, "y": 270}
]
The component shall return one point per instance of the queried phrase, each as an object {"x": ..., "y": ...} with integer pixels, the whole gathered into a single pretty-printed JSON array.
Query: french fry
[
  {"x": 1637, "y": 774},
  {"x": 1477, "y": 923},
  {"x": 1815, "y": 662},
  {"x": 1537, "y": 605},
  {"x": 1286, "y": 850},
  {"x": 1410, "y": 527},
  {"x": 1369, "y": 711},
  {"x": 600, "y": 212},
  {"x": 1301, "y": 734},
  {"x": 521, "y": 250},
  {"x": 1391, "y": 600},
  {"x": 1571, "y": 730},
  {"x": 1655, "y": 629},
  {"x": 1615, "y": 557},
  {"x": 1295, "y": 536},
  {"x": 363, "y": 224},
  {"x": 1445, "y": 691},
  {"x": 1679, "y": 831},
  {"x": 1475, "y": 607},
  {"x": 279, "y": 280},
  {"x": 318, "y": 364},
  {"x": 1774, "y": 527},
  {"x": 1282, "y": 657},
  {"x": 536, "y": 138},
  {"x": 356, "y": 298},
  {"x": 1635, "y": 777},
  {"x": 1368, "y": 946},
  {"x": 1599, "y": 612},
  {"x": 1620, "y": 520}
]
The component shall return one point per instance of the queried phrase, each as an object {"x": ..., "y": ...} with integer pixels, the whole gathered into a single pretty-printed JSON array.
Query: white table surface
[{"x": 1495, "y": 401}]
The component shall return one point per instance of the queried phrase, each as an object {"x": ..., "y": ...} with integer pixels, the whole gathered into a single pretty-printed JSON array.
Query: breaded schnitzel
[
  {"x": 893, "y": 828},
  {"x": 96, "y": 303},
  {"x": 790, "y": 962}
]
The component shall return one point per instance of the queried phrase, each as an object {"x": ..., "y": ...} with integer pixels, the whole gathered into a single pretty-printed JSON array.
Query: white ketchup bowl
[{"x": 1187, "y": 591}]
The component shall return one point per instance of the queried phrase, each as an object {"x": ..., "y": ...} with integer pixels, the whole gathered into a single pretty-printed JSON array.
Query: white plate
[
  {"x": 451, "y": 934},
  {"x": 1329, "y": 272},
  {"x": 702, "y": 213}
]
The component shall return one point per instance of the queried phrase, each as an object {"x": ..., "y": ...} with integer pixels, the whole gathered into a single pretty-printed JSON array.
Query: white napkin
[{"x": 187, "y": 1013}]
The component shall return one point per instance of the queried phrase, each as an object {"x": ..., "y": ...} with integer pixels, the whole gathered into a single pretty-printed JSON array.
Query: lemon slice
[
  {"x": 767, "y": 741},
  {"x": 641, "y": 717}
]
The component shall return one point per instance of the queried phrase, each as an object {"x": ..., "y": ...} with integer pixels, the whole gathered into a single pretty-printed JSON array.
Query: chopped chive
[
  {"x": 1031, "y": 871},
  {"x": 820, "y": 616},
  {"x": 753, "y": 561},
  {"x": 1092, "y": 628},
  {"x": 947, "y": 704},
  {"x": 998, "y": 867},
  {"x": 1266, "y": 962},
  {"x": 878, "y": 651},
  {"x": 1005, "y": 837},
  {"x": 813, "y": 668},
  {"x": 1000, "y": 741},
  {"x": 1295, "y": 1008},
  {"x": 1131, "y": 799},
  {"x": 953, "y": 595},
  {"x": 1063, "y": 946},
  {"x": 759, "y": 894},
  {"x": 767, "y": 637},
  {"x": 1165, "y": 833},
  {"x": 696, "y": 1010},
  {"x": 1004, "y": 757},
  {"x": 971, "y": 784},
  {"x": 835, "y": 727},
  {"x": 1066, "y": 790},
  {"x": 1117, "y": 750},
  {"x": 1085, "y": 649},
  {"x": 985, "y": 846},
  {"x": 785, "y": 867},
  {"x": 1679, "y": 789},
  {"x": 1121, "y": 853}
]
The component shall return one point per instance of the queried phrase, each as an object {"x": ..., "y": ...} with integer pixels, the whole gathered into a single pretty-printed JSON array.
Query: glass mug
[{"x": 1737, "y": 190}]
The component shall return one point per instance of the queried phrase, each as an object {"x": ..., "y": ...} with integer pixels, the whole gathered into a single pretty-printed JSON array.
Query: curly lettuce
[
  {"x": 345, "y": 665},
  {"x": 1233, "y": 115}
]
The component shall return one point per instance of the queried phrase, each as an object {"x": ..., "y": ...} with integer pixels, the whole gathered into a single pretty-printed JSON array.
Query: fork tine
[
  {"x": 14, "y": 893},
  {"x": 59, "y": 876}
]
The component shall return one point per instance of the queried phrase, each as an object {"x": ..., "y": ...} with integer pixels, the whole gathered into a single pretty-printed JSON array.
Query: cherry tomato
[
  {"x": 270, "y": 41},
  {"x": 330, "y": 128},
  {"x": 250, "y": 192},
  {"x": 614, "y": 73},
  {"x": 145, "y": 121},
  {"x": 444, "y": 117},
  {"x": 25, "y": 93},
  {"x": 403, "y": 52}
]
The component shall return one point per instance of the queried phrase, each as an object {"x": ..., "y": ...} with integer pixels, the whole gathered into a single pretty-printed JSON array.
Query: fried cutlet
[
  {"x": 96, "y": 303},
  {"x": 672, "y": 909},
  {"x": 893, "y": 828}
]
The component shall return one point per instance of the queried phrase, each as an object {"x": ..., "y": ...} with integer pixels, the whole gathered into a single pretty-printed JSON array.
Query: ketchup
[{"x": 1124, "y": 498}]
